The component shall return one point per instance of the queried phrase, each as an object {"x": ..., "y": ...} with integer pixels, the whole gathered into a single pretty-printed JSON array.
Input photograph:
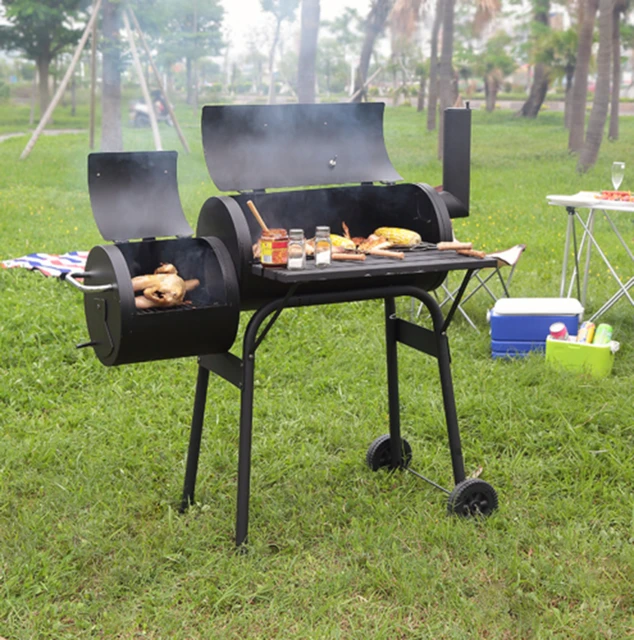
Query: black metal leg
[
  {"x": 195, "y": 438},
  {"x": 392, "y": 383},
  {"x": 244, "y": 452},
  {"x": 449, "y": 401}
]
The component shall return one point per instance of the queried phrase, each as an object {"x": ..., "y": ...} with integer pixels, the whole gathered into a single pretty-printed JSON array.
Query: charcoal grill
[{"x": 303, "y": 166}]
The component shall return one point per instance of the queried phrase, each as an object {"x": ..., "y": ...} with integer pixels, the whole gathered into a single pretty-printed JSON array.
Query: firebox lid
[
  {"x": 250, "y": 147},
  {"x": 134, "y": 195}
]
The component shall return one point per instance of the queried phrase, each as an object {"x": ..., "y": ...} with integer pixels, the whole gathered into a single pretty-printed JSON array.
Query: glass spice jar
[
  {"x": 323, "y": 247},
  {"x": 296, "y": 249},
  {"x": 274, "y": 248}
]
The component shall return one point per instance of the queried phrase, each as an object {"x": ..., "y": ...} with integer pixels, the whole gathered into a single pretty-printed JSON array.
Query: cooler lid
[
  {"x": 134, "y": 195},
  {"x": 538, "y": 307},
  {"x": 250, "y": 147}
]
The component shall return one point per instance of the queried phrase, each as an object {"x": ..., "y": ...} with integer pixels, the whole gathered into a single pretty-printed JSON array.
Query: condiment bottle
[
  {"x": 323, "y": 247},
  {"x": 296, "y": 249},
  {"x": 274, "y": 248}
]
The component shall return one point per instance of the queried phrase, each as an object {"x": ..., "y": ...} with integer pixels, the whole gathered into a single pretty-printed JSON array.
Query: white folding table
[{"x": 590, "y": 201}]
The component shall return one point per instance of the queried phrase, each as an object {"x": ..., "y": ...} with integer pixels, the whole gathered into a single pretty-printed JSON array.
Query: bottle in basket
[
  {"x": 603, "y": 334},
  {"x": 586, "y": 332},
  {"x": 558, "y": 331}
]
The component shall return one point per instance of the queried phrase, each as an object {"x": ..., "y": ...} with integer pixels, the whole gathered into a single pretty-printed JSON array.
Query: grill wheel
[
  {"x": 379, "y": 454},
  {"x": 472, "y": 497}
]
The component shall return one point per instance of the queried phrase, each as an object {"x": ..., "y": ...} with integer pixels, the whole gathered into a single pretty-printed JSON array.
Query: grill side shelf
[{"x": 427, "y": 262}]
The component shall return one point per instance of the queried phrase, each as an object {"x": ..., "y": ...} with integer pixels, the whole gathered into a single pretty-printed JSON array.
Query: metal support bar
[
  {"x": 225, "y": 365},
  {"x": 251, "y": 341},
  {"x": 456, "y": 300},
  {"x": 195, "y": 438},
  {"x": 416, "y": 337},
  {"x": 391, "y": 350}
]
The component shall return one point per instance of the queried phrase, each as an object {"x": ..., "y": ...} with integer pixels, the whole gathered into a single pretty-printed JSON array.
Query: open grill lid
[
  {"x": 134, "y": 195},
  {"x": 295, "y": 145}
]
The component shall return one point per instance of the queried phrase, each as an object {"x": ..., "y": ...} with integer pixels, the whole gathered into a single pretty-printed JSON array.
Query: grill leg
[
  {"x": 449, "y": 401},
  {"x": 392, "y": 383},
  {"x": 195, "y": 438},
  {"x": 244, "y": 452}
]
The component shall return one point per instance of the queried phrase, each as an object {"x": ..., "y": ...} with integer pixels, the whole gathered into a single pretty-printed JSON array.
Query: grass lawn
[{"x": 92, "y": 458}]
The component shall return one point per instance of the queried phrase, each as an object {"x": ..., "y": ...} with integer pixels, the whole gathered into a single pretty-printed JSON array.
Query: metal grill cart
[{"x": 271, "y": 154}]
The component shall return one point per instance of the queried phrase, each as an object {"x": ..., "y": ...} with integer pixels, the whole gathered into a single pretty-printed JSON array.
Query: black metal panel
[
  {"x": 251, "y": 147},
  {"x": 456, "y": 169},
  {"x": 363, "y": 208},
  {"x": 362, "y": 273},
  {"x": 122, "y": 334},
  {"x": 134, "y": 195}
]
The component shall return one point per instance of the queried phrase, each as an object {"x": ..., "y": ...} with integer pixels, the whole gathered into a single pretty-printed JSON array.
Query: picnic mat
[{"x": 50, "y": 264}]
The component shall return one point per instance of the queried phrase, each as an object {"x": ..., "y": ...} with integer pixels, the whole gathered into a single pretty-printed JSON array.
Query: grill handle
[{"x": 86, "y": 288}]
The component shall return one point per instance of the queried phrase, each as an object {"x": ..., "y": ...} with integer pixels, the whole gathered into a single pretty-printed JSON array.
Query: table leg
[
  {"x": 586, "y": 270},
  {"x": 564, "y": 269}
]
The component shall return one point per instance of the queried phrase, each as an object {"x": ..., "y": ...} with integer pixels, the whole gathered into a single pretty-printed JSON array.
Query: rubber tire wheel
[
  {"x": 379, "y": 454},
  {"x": 472, "y": 497}
]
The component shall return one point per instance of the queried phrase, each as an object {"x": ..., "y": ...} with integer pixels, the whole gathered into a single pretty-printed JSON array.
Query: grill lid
[
  {"x": 250, "y": 147},
  {"x": 135, "y": 195}
]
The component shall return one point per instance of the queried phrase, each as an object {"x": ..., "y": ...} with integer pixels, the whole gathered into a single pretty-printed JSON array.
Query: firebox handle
[{"x": 86, "y": 288}]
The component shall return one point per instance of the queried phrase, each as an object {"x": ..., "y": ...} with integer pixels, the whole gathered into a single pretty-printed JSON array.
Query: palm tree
[
  {"x": 308, "y": 51},
  {"x": 111, "y": 134},
  {"x": 587, "y": 15},
  {"x": 620, "y": 6},
  {"x": 541, "y": 72},
  {"x": 281, "y": 10},
  {"x": 374, "y": 25},
  {"x": 432, "y": 101},
  {"x": 601, "y": 101}
]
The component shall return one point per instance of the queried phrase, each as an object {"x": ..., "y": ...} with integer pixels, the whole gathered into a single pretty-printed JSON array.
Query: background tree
[
  {"x": 494, "y": 64},
  {"x": 347, "y": 32},
  {"x": 587, "y": 16},
  {"x": 445, "y": 69},
  {"x": 40, "y": 30},
  {"x": 193, "y": 30},
  {"x": 111, "y": 133},
  {"x": 541, "y": 71},
  {"x": 563, "y": 45},
  {"x": 620, "y": 6},
  {"x": 599, "y": 113},
  {"x": 432, "y": 102},
  {"x": 374, "y": 26},
  {"x": 306, "y": 68},
  {"x": 282, "y": 10}
]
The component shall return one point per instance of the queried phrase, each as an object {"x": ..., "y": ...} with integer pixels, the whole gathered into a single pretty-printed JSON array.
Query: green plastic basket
[{"x": 593, "y": 359}]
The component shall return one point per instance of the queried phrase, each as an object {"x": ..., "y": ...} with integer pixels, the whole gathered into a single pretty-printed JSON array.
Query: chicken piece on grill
[{"x": 164, "y": 288}]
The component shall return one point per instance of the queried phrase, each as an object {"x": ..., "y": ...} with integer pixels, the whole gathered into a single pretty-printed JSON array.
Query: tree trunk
[
  {"x": 570, "y": 72},
  {"x": 613, "y": 131},
  {"x": 375, "y": 24},
  {"x": 111, "y": 134},
  {"x": 308, "y": 51},
  {"x": 420, "y": 104},
  {"x": 73, "y": 96},
  {"x": 490, "y": 92},
  {"x": 188, "y": 80},
  {"x": 432, "y": 102},
  {"x": 539, "y": 88},
  {"x": 445, "y": 69},
  {"x": 588, "y": 11},
  {"x": 600, "y": 104},
  {"x": 43, "y": 64},
  {"x": 272, "y": 63}
]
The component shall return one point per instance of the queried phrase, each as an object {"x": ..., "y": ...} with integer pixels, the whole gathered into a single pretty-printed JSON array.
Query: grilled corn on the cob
[
  {"x": 340, "y": 241},
  {"x": 400, "y": 237}
]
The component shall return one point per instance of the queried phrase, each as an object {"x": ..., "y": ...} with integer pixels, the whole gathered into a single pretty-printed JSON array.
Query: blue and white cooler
[{"x": 521, "y": 325}]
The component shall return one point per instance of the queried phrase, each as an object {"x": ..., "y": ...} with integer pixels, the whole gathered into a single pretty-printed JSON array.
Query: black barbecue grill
[{"x": 255, "y": 152}]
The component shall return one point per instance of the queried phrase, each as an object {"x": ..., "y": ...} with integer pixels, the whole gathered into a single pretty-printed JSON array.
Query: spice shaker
[
  {"x": 323, "y": 247},
  {"x": 296, "y": 249}
]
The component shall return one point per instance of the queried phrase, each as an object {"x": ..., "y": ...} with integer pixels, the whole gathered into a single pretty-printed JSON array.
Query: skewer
[
  {"x": 455, "y": 245},
  {"x": 258, "y": 217},
  {"x": 398, "y": 255},
  {"x": 348, "y": 256}
]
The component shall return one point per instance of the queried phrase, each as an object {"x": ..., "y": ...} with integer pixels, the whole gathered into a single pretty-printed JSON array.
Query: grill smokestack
[{"x": 456, "y": 168}]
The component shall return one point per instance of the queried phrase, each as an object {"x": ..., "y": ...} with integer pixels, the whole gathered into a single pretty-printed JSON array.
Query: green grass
[{"x": 92, "y": 458}]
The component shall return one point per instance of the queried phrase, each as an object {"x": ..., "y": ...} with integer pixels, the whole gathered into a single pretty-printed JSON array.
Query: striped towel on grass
[{"x": 50, "y": 264}]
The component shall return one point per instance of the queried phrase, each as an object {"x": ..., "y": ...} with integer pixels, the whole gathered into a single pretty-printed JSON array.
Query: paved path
[{"x": 46, "y": 132}]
